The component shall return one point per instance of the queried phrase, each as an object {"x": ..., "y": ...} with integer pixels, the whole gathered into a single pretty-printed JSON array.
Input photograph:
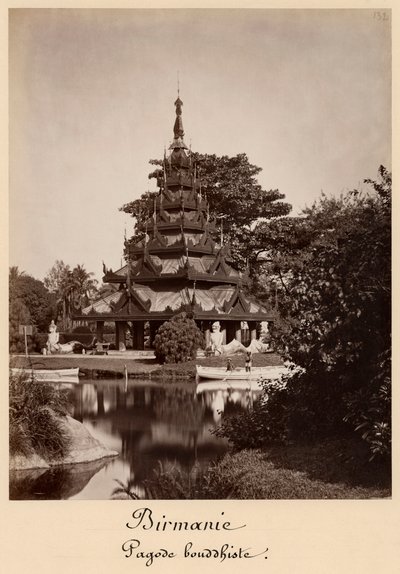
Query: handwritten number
[{"x": 381, "y": 16}]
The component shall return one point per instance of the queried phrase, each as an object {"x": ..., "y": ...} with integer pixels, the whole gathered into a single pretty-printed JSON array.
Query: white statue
[
  {"x": 216, "y": 338},
  {"x": 52, "y": 339}
]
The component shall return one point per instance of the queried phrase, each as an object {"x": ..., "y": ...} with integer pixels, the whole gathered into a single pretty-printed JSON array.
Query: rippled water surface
[{"x": 148, "y": 424}]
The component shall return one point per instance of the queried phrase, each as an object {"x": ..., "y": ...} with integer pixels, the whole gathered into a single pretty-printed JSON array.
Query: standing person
[
  {"x": 229, "y": 366},
  {"x": 249, "y": 362}
]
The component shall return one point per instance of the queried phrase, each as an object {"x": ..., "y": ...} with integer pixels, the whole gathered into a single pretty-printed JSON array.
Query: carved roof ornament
[{"x": 178, "y": 142}]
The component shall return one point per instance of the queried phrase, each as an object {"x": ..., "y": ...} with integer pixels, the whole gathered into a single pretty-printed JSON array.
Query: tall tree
[
  {"x": 72, "y": 288},
  {"x": 59, "y": 281},
  {"x": 84, "y": 287},
  {"x": 30, "y": 303},
  {"x": 57, "y": 277},
  {"x": 334, "y": 264}
]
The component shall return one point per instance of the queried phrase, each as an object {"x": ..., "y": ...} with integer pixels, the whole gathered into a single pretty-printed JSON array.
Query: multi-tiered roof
[{"x": 177, "y": 264}]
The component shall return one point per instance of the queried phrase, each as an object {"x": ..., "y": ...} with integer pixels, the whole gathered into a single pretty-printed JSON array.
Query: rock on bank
[{"x": 83, "y": 448}]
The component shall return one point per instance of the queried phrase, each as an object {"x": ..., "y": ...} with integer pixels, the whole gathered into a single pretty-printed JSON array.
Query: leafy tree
[
  {"x": 84, "y": 286},
  {"x": 56, "y": 276},
  {"x": 14, "y": 275},
  {"x": 177, "y": 340},
  {"x": 18, "y": 315},
  {"x": 58, "y": 281},
  {"x": 30, "y": 303},
  {"x": 34, "y": 296},
  {"x": 335, "y": 306},
  {"x": 235, "y": 198},
  {"x": 72, "y": 288}
]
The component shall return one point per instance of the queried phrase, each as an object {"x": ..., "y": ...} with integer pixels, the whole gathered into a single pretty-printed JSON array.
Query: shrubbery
[
  {"x": 35, "y": 411},
  {"x": 336, "y": 325},
  {"x": 177, "y": 340}
]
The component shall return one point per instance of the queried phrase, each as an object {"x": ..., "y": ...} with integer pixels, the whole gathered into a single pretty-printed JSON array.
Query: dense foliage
[
  {"x": 35, "y": 411},
  {"x": 30, "y": 303},
  {"x": 335, "y": 303},
  {"x": 73, "y": 289},
  {"x": 177, "y": 340}
]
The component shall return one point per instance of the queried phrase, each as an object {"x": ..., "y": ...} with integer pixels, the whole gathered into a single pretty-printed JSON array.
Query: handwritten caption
[{"x": 144, "y": 520}]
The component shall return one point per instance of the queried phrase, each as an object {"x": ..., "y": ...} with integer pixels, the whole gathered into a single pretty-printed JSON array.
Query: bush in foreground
[
  {"x": 177, "y": 340},
  {"x": 253, "y": 474},
  {"x": 34, "y": 416}
]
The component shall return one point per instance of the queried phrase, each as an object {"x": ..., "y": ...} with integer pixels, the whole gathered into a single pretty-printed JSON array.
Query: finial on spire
[
  {"x": 178, "y": 81},
  {"x": 178, "y": 126}
]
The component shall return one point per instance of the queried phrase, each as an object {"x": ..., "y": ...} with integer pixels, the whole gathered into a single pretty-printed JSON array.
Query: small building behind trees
[{"x": 176, "y": 263}]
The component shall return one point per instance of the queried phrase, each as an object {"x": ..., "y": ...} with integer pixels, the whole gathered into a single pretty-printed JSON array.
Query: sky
[{"x": 306, "y": 94}]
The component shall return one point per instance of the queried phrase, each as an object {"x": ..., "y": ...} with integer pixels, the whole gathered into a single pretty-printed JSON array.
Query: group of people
[
  {"x": 247, "y": 366},
  {"x": 216, "y": 348}
]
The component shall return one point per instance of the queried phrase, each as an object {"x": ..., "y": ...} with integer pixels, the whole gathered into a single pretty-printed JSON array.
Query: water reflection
[{"x": 146, "y": 423}]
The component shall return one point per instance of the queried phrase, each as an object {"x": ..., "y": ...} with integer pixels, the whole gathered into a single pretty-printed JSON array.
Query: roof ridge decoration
[
  {"x": 146, "y": 266},
  {"x": 220, "y": 264},
  {"x": 238, "y": 302},
  {"x": 126, "y": 300},
  {"x": 157, "y": 240}
]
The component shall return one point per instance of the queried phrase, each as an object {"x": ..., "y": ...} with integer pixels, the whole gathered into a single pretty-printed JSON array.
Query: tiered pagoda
[{"x": 177, "y": 265}]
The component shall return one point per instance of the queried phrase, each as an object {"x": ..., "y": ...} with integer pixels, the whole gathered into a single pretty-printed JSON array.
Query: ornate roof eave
[
  {"x": 178, "y": 143},
  {"x": 184, "y": 273},
  {"x": 172, "y": 249},
  {"x": 212, "y": 315},
  {"x": 111, "y": 277},
  {"x": 179, "y": 179}
]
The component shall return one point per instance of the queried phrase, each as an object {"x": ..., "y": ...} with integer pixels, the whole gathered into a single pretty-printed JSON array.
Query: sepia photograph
[{"x": 200, "y": 255}]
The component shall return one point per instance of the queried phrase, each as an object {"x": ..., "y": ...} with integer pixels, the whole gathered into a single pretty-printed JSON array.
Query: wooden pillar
[
  {"x": 100, "y": 330},
  {"x": 230, "y": 331},
  {"x": 207, "y": 333},
  {"x": 223, "y": 331},
  {"x": 135, "y": 334},
  {"x": 138, "y": 339},
  {"x": 121, "y": 328},
  {"x": 238, "y": 331},
  {"x": 252, "y": 329},
  {"x": 116, "y": 335}
]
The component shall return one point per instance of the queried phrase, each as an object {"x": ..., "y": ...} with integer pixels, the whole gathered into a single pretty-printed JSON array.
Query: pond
[{"x": 150, "y": 425}]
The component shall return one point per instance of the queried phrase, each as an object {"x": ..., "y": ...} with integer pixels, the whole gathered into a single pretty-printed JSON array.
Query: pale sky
[{"x": 305, "y": 94}]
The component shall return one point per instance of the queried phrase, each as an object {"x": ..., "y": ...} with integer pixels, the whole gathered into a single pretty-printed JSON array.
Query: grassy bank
[
  {"x": 309, "y": 472},
  {"x": 109, "y": 365}
]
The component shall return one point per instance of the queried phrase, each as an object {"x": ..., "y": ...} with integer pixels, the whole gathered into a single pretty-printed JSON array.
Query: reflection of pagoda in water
[{"x": 176, "y": 265}]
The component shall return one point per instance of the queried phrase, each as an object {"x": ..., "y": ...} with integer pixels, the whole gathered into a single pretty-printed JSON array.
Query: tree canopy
[
  {"x": 31, "y": 296},
  {"x": 333, "y": 266},
  {"x": 69, "y": 286},
  {"x": 30, "y": 303}
]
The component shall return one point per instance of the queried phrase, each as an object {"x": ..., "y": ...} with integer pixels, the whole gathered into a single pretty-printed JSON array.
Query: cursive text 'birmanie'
[{"x": 143, "y": 518}]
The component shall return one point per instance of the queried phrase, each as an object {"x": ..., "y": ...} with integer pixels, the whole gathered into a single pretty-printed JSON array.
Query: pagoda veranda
[{"x": 176, "y": 264}]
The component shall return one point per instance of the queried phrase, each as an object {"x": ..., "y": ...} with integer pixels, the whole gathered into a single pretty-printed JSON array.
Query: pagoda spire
[{"x": 178, "y": 126}]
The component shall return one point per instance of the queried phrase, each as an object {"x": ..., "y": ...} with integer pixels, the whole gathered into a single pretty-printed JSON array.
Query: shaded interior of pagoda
[{"x": 176, "y": 264}]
